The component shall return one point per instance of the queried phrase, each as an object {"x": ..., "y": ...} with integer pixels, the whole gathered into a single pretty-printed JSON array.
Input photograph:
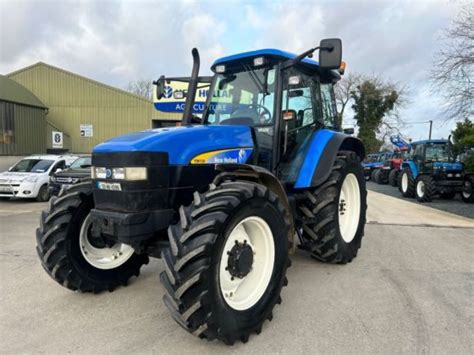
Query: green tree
[
  {"x": 463, "y": 139},
  {"x": 373, "y": 100}
]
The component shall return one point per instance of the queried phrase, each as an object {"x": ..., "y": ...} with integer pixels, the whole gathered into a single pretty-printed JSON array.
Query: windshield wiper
[{"x": 255, "y": 79}]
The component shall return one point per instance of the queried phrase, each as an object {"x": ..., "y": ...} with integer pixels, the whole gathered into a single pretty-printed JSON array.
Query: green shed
[
  {"x": 85, "y": 111},
  {"x": 22, "y": 120}
]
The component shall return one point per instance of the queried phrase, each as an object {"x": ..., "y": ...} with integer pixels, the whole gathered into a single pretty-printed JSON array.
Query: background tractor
[
  {"x": 431, "y": 169},
  {"x": 371, "y": 164},
  {"x": 388, "y": 174},
  {"x": 223, "y": 198}
]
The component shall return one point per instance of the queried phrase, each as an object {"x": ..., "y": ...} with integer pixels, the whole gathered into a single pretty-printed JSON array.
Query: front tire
[
  {"x": 234, "y": 235},
  {"x": 406, "y": 183},
  {"x": 333, "y": 214},
  {"x": 73, "y": 260},
  {"x": 393, "y": 177},
  {"x": 425, "y": 188},
  {"x": 467, "y": 193},
  {"x": 43, "y": 194}
]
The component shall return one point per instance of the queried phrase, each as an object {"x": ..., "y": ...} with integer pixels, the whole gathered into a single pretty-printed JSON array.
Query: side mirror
[
  {"x": 349, "y": 130},
  {"x": 330, "y": 53},
  {"x": 160, "y": 87}
]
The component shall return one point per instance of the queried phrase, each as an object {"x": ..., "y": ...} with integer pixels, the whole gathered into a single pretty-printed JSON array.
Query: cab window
[{"x": 328, "y": 105}]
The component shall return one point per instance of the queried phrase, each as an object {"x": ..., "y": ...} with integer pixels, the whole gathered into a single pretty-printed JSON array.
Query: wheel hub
[{"x": 240, "y": 260}]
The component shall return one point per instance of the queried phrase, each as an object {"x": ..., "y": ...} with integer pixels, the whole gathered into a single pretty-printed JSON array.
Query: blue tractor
[
  {"x": 431, "y": 169},
  {"x": 222, "y": 199},
  {"x": 372, "y": 162}
]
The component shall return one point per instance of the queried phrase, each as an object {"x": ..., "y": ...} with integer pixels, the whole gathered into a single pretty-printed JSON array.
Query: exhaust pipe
[{"x": 192, "y": 88}]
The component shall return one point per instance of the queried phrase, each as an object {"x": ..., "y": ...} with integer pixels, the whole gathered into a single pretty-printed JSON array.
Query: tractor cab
[{"x": 283, "y": 103}]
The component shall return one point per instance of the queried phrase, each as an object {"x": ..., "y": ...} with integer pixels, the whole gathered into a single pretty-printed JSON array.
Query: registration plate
[
  {"x": 110, "y": 186},
  {"x": 5, "y": 189}
]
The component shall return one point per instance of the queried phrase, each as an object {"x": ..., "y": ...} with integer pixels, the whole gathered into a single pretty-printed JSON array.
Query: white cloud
[{"x": 116, "y": 42}]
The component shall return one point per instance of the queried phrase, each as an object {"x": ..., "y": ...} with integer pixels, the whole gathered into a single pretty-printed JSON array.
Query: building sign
[
  {"x": 86, "y": 130},
  {"x": 57, "y": 139},
  {"x": 169, "y": 104}
]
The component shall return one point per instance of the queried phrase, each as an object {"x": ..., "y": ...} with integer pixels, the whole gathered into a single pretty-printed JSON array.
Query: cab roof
[
  {"x": 432, "y": 141},
  {"x": 267, "y": 52},
  {"x": 276, "y": 54}
]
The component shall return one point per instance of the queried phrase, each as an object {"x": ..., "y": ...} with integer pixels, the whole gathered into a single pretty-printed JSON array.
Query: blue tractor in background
[
  {"x": 431, "y": 169},
  {"x": 221, "y": 199},
  {"x": 370, "y": 165}
]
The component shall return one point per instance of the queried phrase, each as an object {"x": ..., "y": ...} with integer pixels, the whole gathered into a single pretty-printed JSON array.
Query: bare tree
[
  {"x": 141, "y": 87},
  {"x": 453, "y": 73},
  {"x": 342, "y": 92}
]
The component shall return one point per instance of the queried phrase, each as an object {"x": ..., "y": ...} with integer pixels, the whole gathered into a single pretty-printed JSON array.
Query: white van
[{"x": 29, "y": 177}]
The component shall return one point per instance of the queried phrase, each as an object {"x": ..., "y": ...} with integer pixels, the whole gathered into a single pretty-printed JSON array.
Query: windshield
[
  {"x": 32, "y": 166},
  {"x": 243, "y": 98},
  {"x": 81, "y": 163},
  {"x": 438, "y": 152}
]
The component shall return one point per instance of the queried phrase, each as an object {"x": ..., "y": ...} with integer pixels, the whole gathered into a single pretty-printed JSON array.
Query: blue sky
[{"x": 118, "y": 41}]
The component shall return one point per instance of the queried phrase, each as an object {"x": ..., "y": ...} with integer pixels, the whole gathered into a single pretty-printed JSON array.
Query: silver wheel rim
[
  {"x": 243, "y": 293},
  {"x": 404, "y": 182},
  {"x": 420, "y": 188},
  {"x": 349, "y": 208},
  {"x": 102, "y": 258}
]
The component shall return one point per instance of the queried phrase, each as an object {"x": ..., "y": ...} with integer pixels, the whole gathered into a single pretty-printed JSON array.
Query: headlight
[
  {"x": 52, "y": 179},
  {"x": 99, "y": 173},
  {"x": 31, "y": 179},
  {"x": 130, "y": 174}
]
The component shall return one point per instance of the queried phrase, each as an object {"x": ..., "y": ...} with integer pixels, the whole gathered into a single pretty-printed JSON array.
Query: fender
[
  {"x": 264, "y": 177},
  {"x": 320, "y": 156},
  {"x": 410, "y": 164}
]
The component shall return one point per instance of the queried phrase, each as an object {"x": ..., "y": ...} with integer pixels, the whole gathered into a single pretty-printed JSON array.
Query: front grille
[{"x": 64, "y": 180}]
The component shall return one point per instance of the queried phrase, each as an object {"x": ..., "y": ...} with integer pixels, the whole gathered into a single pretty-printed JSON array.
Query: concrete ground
[
  {"x": 456, "y": 205},
  {"x": 410, "y": 290}
]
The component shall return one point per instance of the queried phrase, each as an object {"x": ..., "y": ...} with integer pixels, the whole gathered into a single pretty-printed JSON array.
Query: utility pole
[{"x": 431, "y": 127}]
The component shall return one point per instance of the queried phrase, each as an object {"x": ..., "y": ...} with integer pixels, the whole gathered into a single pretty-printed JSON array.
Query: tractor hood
[
  {"x": 182, "y": 143},
  {"x": 448, "y": 166}
]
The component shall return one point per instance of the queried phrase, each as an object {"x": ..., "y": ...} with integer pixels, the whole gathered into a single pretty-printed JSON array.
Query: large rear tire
[
  {"x": 333, "y": 214},
  {"x": 393, "y": 177},
  {"x": 406, "y": 183},
  {"x": 71, "y": 257},
  {"x": 227, "y": 261},
  {"x": 378, "y": 177}
]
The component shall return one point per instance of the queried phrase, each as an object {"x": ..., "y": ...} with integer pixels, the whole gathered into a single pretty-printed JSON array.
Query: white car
[{"x": 29, "y": 177}]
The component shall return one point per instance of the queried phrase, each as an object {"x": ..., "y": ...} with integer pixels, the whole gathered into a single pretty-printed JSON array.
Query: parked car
[
  {"x": 29, "y": 177},
  {"x": 79, "y": 171}
]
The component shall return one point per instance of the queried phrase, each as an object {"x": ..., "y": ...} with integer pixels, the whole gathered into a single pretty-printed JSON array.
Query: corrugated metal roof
[
  {"x": 11, "y": 91},
  {"x": 41, "y": 64}
]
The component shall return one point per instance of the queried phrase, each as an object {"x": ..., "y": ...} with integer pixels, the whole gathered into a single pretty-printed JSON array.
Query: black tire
[
  {"x": 318, "y": 211},
  {"x": 426, "y": 193},
  {"x": 59, "y": 251},
  {"x": 410, "y": 188},
  {"x": 467, "y": 193},
  {"x": 43, "y": 194},
  {"x": 191, "y": 281},
  {"x": 372, "y": 174},
  {"x": 447, "y": 195},
  {"x": 393, "y": 177},
  {"x": 378, "y": 177}
]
